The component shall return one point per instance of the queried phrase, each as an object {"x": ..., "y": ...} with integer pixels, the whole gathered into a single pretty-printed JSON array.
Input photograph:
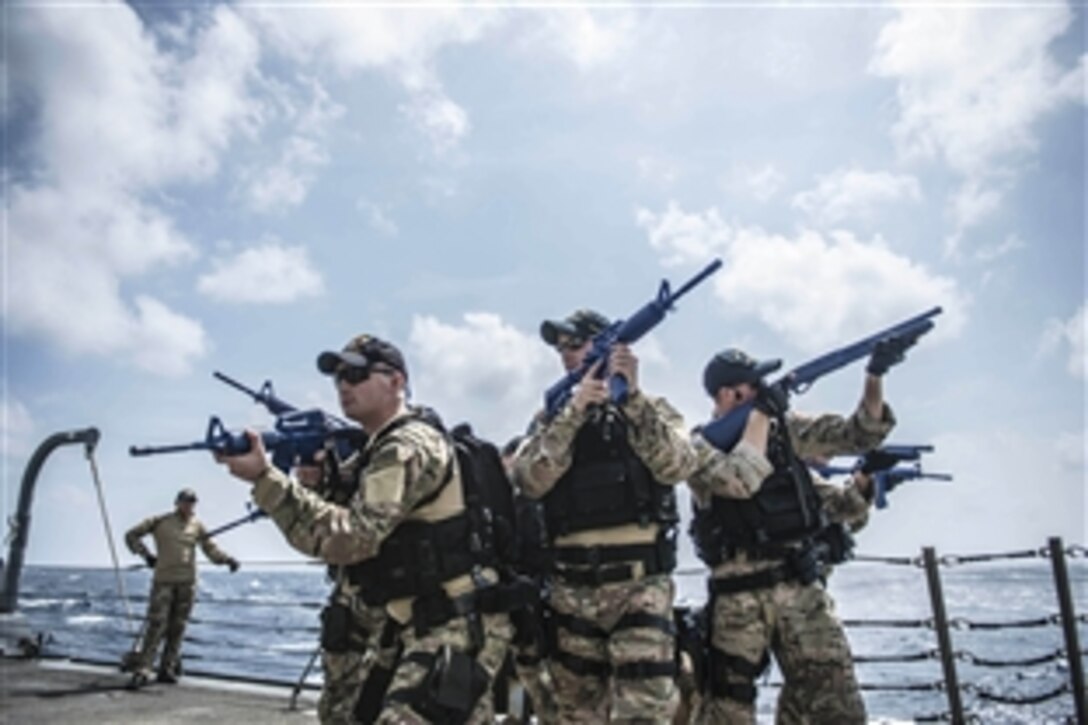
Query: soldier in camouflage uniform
[
  {"x": 355, "y": 644},
  {"x": 605, "y": 473},
  {"x": 173, "y": 584},
  {"x": 762, "y": 524},
  {"x": 403, "y": 539}
]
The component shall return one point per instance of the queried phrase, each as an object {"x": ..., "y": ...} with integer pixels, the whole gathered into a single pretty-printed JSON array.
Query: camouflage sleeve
[
  {"x": 210, "y": 549},
  {"x": 286, "y": 514},
  {"x": 546, "y": 453},
  {"x": 829, "y": 435},
  {"x": 405, "y": 467},
  {"x": 737, "y": 474},
  {"x": 657, "y": 436},
  {"x": 843, "y": 504},
  {"x": 137, "y": 532}
]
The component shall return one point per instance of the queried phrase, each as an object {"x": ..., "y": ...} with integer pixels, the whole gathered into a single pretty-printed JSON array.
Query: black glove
[
  {"x": 877, "y": 460},
  {"x": 772, "y": 400},
  {"x": 150, "y": 559},
  {"x": 888, "y": 352},
  {"x": 233, "y": 565}
]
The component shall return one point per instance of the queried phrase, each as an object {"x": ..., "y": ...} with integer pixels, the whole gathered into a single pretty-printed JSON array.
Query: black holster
[
  {"x": 336, "y": 627},
  {"x": 450, "y": 689}
]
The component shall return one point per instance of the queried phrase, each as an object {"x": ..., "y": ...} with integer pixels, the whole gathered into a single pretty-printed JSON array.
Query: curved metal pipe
[{"x": 9, "y": 595}]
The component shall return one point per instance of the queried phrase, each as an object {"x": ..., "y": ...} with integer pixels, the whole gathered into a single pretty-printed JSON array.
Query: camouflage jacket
[
  {"x": 655, "y": 431},
  {"x": 175, "y": 543},
  {"x": 740, "y": 472}
]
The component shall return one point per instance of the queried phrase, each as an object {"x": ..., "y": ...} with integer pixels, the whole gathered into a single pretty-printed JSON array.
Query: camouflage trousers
[
  {"x": 168, "y": 609},
  {"x": 445, "y": 675},
  {"x": 798, "y": 623},
  {"x": 532, "y": 671},
  {"x": 614, "y": 656},
  {"x": 349, "y": 657}
]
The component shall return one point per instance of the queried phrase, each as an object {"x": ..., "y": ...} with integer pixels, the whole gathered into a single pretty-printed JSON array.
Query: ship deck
[{"x": 42, "y": 691}]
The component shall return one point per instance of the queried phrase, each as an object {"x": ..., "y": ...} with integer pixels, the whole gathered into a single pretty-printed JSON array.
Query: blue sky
[{"x": 238, "y": 187}]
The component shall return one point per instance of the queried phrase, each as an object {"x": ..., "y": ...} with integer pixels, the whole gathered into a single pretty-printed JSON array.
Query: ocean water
[{"x": 264, "y": 624}]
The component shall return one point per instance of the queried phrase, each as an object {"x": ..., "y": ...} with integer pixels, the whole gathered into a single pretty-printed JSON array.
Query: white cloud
[
  {"x": 267, "y": 274},
  {"x": 286, "y": 182},
  {"x": 972, "y": 84},
  {"x": 164, "y": 342},
  {"x": 16, "y": 428},
  {"x": 815, "y": 290},
  {"x": 660, "y": 171},
  {"x": 852, "y": 193},
  {"x": 455, "y": 366},
  {"x": 400, "y": 41},
  {"x": 442, "y": 121},
  {"x": 765, "y": 183},
  {"x": 377, "y": 217},
  {"x": 587, "y": 38},
  {"x": 1012, "y": 243},
  {"x": 116, "y": 116},
  {"x": 1059, "y": 334}
]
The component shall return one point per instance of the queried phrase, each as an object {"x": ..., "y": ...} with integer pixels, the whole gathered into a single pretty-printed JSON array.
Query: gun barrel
[
  {"x": 178, "y": 448},
  {"x": 224, "y": 378},
  {"x": 696, "y": 280},
  {"x": 907, "y": 452},
  {"x": 799, "y": 379},
  {"x": 937, "y": 476}
]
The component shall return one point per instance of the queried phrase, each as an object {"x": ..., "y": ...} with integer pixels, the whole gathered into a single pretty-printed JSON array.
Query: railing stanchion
[
  {"x": 944, "y": 638},
  {"x": 1069, "y": 626}
]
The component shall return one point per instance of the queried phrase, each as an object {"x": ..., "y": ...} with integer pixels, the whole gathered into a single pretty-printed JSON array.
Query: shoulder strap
[{"x": 427, "y": 419}]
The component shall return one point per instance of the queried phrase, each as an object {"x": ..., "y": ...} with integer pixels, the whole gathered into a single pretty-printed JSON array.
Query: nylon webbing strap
[
  {"x": 579, "y": 626},
  {"x": 593, "y": 555},
  {"x": 634, "y": 620},
  {"x": 747, "y": 582},
  {"x": 645, "y": 670},
  {"x": 582, "y": 666}
]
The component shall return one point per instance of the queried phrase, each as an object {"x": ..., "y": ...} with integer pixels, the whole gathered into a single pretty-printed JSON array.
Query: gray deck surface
[{"x": 59, "y": 692}]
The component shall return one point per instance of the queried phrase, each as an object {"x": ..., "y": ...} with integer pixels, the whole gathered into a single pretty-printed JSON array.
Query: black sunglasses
[
  {"x": 570, "y": 343},
  {"x": 353, "y": 375}
]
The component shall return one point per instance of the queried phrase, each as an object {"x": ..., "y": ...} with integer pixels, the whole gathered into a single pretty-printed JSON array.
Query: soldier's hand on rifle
[
  {"x": 310, "y": 475},
  {"x": 888, "y": 352},
  {"x": 590, "y": 391},
  {"x": 878, "y": 460},
  {"x": 252, "y": 464},
  {"x": 771, "y": 400},
  {"x": 622, "y": 361}
]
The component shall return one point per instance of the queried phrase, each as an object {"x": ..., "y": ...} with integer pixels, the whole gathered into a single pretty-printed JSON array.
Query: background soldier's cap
[
  {"x": 582, "y": 324},
  {"x": 186, "y": 494},
  {"x": 733, "y": 367},
  {"x": 363, "y": 351}
]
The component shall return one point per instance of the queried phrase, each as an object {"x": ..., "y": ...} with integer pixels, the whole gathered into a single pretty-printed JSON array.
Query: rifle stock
[{"x": 724, "y": 432}]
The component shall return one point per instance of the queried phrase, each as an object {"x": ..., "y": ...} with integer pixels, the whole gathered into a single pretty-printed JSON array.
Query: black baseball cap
[
  {"x": 582, "y": 324},
  {"x": 363, "y": 351},
  {"x": 733, "y": 367}
]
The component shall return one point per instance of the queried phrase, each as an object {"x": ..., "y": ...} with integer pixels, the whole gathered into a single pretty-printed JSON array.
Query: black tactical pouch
[
  {"x": 804, "y": 564},
  {"x": 450, "y": 690},
  {"x": 336, "y": 628}
]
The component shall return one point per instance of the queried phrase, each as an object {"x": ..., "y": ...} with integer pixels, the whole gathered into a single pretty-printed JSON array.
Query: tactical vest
[
  {"x": 419, "y": 556},
  {"x": 606, "y": 484},
  {"x": 785, "y": 510}
]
